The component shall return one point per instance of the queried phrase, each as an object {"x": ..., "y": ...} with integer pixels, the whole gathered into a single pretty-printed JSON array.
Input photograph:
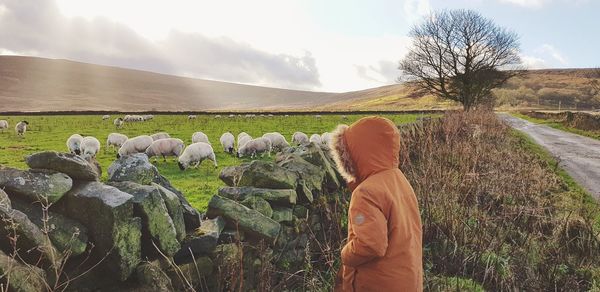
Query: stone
[
  {"x": 248, "y": 220},
  {"x": 262, "y": 174},
  {"x": 5, "y": 202},
  {"x": 152, "y": 278},
  {"x": 31, "y": 240},
  {"x": 157, "y": 225},
  {"x": 283, "y": 215},
  {"x": 228, "y": 253},
  {"x": 22, "y": 278},
  {"x": 274, "y": 196},
  {"x": 315, "y": 155},
  {"x": 202, "y": 242},
  {"x": 300, "y": 212},
  {"x": 175, "y": 209},
  {"x": 136, "y": 168},
  {"x": 191, "y": 216},
  {"x": 258, "y": 204},
  {"x": 70, "y": 164},
  {"x": 35, "y": 185},
  {"x": 108, "y": 215},
  {"x": 194, "y": 273},
  {"x": 311, "y": 176},
  {"x": 67, "y": 235},
  {"x": 229, "y": 235},
  {"x": 230, "y": 175}
]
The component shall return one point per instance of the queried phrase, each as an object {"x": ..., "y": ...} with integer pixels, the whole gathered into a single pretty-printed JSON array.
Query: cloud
[
  {"x": 384, "y": 72},
  {"x": 527, "y": 3},
  {"x": 38, "y": 28},
  {"x": 531, "y": 62},
  {"x": 416, "y": 9},
  {"x": 554, "y": 53}
]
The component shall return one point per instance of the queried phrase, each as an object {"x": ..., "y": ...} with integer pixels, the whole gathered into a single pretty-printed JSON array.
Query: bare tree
[{"x": 461, "y": 56}]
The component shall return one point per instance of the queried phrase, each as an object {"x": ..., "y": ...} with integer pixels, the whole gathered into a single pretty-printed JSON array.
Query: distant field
[{"x": 51, "y": 133}]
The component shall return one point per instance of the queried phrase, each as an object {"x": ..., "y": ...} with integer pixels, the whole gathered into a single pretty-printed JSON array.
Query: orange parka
[{"x": 384, "y": 247}]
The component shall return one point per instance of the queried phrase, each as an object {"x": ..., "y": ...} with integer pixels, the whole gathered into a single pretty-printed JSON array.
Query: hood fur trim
[{"x": 341, "y": 154}]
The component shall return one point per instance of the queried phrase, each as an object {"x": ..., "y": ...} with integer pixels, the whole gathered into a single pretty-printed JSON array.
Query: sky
[{"x": 320, "y": 45}]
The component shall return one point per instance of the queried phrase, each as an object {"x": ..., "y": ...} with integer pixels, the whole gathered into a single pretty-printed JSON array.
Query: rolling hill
[{"x": 33, "y": 84}]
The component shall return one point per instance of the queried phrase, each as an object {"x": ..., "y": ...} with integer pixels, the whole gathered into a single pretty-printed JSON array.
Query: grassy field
[
  {"x": 51, "y": 133},
  {"x": 557, "y": 125}
]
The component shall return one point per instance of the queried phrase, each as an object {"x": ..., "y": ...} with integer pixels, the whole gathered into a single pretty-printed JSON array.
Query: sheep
[
  {"x": 118, "y": 122},
  {"x": 133, "y": 145},
  {"x": 21, "y": 128},
  {"x": 243, "y": 138},
  {"x": 317, "y": 116},
  {"x": 195, "y": 154},
  {"x": 115, "y": 140},
  {"x": 242, "y": 134},
  {"x": 255, "y": 146},
  {"x": 326, "y": 139},
  {"x": 231, "y": 116},
  {"x": 277, "y": 140},
  {"x": 90, "y": 146},
  {"x": 3, "y": 124},
  {"x": 300, "y": 138},
  {"x": 74, "y": 144},
  {"x": 105, "y": 117},
  {"x": 315, "y": 138},
  {"x": 200, "y": 137},
  {"x": 217, "y": 116},
  {"x": 165, "y": 147},
  {"x": 161, "y": 135},
  {"x": 227, "y": 141},
  {"x": 192, "y": 117},
  {"x": 133, "y": 118},
  {"x": 148, "y": 117}
]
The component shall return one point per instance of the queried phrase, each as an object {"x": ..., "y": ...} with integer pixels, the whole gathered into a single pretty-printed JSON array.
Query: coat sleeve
[{"x": 369, "y": 226}]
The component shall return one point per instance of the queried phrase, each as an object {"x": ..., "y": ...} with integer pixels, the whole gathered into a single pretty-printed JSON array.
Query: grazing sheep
[
  {"x": 165, "y": 147},
  {"x": 278, "y": 142},
  {"x": 315, "y": 138},
  {"x": 115, "y": 140},
  {"x": 148, "y": 117},
  {"x": 90, "y": 146},
  {"x": 242, "y": 134},
  {"x": 21, "y": 128},
  {"x": 161, "y": 135},
  {"x": 299, "y": 138},
  {"x": 255, "y": 146},
  {"x": 192, "y": 117},
  {"x": 326, "y": 138},
  {"x": 317, "y": 116},
  {"x": 195, "y": 154},
  {"x": 74, "y": 144},
  {"x": 134, "y": 145},
  {"x": 344, "y": 117},
  {"x": 3, "y": 124},
  {"x": 200, "y": 137},
  {"x": 133, "y": 118},
  {"x": 270, "y": 115},
  {"x": 217, "y": 116},
  {"x": 118, "y": 122},
  {"x": 105, "y": 117},
  {"x": 243, "y": 139},
  {"x": 286, "y": 116},
  {"x": 231, "y": 116},
  {"x": 227, "y": 141}
]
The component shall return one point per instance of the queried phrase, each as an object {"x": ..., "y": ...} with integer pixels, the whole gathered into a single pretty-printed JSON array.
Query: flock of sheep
[
  {"x": 20, "y": 128},
  {"x": 162, "y": 144}
]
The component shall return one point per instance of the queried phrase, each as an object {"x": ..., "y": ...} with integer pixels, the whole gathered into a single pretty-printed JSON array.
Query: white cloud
[
  {"x": 554, "y": 53},
  {"x": 527, "y": 3},
  {"x": 531, "y": 62},
  {"x": 416, "y": 9}
]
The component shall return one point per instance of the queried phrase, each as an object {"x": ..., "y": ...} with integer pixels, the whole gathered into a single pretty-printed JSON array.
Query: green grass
[
  {"x": 51, "y": 133},
  {"x": 558, "y": 125}
]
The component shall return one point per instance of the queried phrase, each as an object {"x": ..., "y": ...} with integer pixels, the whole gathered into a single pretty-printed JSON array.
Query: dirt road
[{"x": 578, "y": 155}]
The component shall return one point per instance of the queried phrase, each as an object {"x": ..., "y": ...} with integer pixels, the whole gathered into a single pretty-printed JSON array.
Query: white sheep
[
  {"x": 74, "y": 144},
  {"x": 255, "y": 146},
  {"x": 315, "y": 138},
  {"x": 3, "y": 124},
  {"x": 192, "y": 117},
  {"x": 299, "y": 138},
  {"x": 118, "y": 122},
  {"x": 243, "y": 139},
  {"x": 326, "y": 139},
  {"x": 217, "y": 116},
  {"x": 195, "y": 154},
  {"x": 165, "y": 147},
  {"x": 21, "y": 128},
  {"x": 231, "y": 116},
  {"x": 318, "y": 116},
  {"x": 278, "y": 141},
  {"x": 161, "y": 135},
  {"x": 115, "y": 140},
  {"x": 227, "y": 141},
  {"x": 90, "y": 146},
  {"x": 105, "y": 117},
  {"x": 148, "y": 117},
  {"x": 242, "y": 134},
  {"x": 200, "y": 137},
  {"x": 134, "y": 145},
  {"x": 133, "y": 118}
]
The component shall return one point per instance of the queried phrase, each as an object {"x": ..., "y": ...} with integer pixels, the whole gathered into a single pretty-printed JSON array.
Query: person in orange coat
[{"x": 384, "y": 248}]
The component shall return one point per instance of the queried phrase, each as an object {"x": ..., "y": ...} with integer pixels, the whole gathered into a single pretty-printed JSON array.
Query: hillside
[{"x": 38, "y": 84}]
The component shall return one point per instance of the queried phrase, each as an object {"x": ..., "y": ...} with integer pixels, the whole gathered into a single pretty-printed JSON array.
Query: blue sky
[{"x": 329, "y": 45}]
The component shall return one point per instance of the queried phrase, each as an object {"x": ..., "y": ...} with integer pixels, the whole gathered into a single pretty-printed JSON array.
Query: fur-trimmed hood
[{"x": 368, "y": 146}]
